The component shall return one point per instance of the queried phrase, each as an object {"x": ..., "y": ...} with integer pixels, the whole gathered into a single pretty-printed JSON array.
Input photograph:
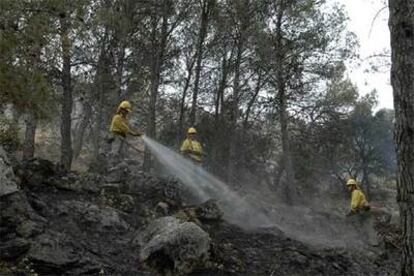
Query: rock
[
  {"x": 162, "y": 208},
  {"x": 29, "y": 228},
  {"x": 91, "y": 214},
  {"x": 225, "y": 257},
  {"x": 17, "y": 217},
  {"x": 13, "y": 248},
  {"x": 209, "y": 210},
  {"x": 67, "y": 182},
  {"x": 153, "y": 190},
  {"x": 170, "y": 247},
  {"x": 119, "y": 201},
  {"x": 118, "y": 174},
  {"x": 36, "y": 171},
  {"x": 91, "y": 182},
  {"x": 53, "y": 253},
  {"x": 7, "y": 177}
]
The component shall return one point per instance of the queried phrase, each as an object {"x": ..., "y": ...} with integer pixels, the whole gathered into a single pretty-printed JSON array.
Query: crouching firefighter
[
  {"x": 359, "y": 203},
  {"x": 120, "y": 129}
]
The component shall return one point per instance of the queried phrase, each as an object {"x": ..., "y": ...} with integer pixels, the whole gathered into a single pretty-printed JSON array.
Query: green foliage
[
  {"x": 115, "y": 48},
  {"x": 23, "y": 79},
  {"x": 347, "y": 138}
]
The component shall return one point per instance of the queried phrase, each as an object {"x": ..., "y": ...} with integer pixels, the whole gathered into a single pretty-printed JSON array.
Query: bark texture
[
  {"x": 401, "y": 25},
  {"x": 29, "y": 136},
  {"x": 66, "y": 117}
]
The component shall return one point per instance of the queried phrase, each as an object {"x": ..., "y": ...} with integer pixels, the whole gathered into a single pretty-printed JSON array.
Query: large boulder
[
  {"x": 91, "y": 215},
  {"x": 7, "y": 178},
  {"x": 171, "y": 247}
]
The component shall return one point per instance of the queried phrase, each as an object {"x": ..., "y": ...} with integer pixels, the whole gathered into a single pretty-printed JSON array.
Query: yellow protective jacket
[
  {"x": 358, "y": 201},
  {"x": 119, "y": 125},
  {"x": 193, "y": 149}
]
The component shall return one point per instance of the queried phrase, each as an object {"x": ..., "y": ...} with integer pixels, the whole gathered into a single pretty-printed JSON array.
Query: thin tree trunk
[
  {"x": 206, "y": 6},
  {"x": 29, "y": 137},
  {"x": 81, "y": 129},
  {"x": 98, "y": 121},
  {"x": 401, "y": 25},
  {"x": 66, "y": 120},
  {"x": 243, "y": 139},
  {"x": 365, "y": 179},
  {"x": 252, "y": 101},
  {"x": 287, "y": 165},
  {"x": 120, "y": 72},
  {"x": 180, "y": 128},
  {"x": 286, "y": 158},
  {"x": 218, "y": 116},
  {"x": 157, "y": 61},
  {"x": 100, "y": 89},
  {"x": 220, "y": 91},
  {"x": 232, "y": 139},
  {"x": 31, "y": 119}
]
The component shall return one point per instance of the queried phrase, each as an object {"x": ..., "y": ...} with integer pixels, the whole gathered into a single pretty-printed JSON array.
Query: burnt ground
[{"x": 62, "y": 223}]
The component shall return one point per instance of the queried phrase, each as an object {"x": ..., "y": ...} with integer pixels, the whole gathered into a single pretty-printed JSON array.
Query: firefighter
[
  {"x": 359, "y": 202},
  {"x": 120, "y": 129},
  {"x": 191, "y": 147}
]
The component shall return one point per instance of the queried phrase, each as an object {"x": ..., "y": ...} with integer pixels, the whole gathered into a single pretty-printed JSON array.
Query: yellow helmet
[
  {"x": 351, "y": 182},
  {"x": 191, "y": 130},
  {"x": 125, "y": 105}
]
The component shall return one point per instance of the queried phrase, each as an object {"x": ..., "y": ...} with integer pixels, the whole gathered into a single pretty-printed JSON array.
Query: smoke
[{"x": 261, "y": 209}]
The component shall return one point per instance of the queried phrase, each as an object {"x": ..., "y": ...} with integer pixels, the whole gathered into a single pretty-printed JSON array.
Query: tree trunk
[
  {"x": 286, "y": 157},
  {"x": 80, "y": 130},
  {"x": 252, "y": 101},
  {"x": 287, "y": 166},
  {"x": 246, "y": 127},
  {"x": 232, "y": 138},
  {"x": 66, "y": 120},
  {"x": 180, "y": 128},
  {"x": 217, "y": 148},
  {"x": 205, "y": 11},
  {"x": 401, "y": 23},
  {"x": 119, "y": 73},
  {"x": 29, "y": 137},
  {"x": 159, "y": 43},
  {"x": 102, "y": 78},
  {"x": 365, "y": 179}
]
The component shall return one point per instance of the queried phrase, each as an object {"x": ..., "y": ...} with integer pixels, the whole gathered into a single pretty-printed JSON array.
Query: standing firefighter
[
  {"x": 363, "y": 222},
  {"x": 120, "y": 129},
  {"x": 358, "y": 201},
  {"x": 191, "y": 147}
]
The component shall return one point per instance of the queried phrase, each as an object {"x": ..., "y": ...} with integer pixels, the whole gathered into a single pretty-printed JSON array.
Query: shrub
[{"x": 9, "y": 135}]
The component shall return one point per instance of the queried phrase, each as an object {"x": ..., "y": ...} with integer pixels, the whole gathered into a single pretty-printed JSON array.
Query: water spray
[
  {"x": 298, "y": 222},
  {"x": 203, "y": 185}
]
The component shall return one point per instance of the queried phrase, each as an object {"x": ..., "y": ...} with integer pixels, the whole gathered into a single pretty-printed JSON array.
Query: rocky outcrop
[
  {"x": 171, "y": 247},
  {"x": 11, "y": 249},
  {"x": 7, "y": 179}
]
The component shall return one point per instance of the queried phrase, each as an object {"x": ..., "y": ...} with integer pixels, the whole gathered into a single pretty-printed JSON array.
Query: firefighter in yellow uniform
[
  {"x": 363, "y": 222},
  {"x": 359, "y": 202},
  {"x": 191, "y": 147},
  {"x": 120, "y": 129}
]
